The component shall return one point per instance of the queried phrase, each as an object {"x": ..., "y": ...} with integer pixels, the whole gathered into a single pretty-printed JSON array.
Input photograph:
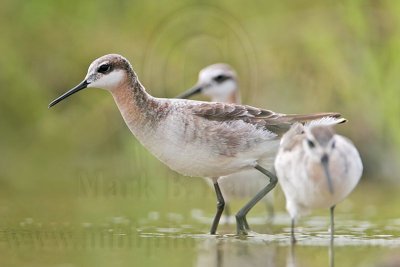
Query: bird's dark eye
[
  {"x": 104, "y": 68},
  {"x": 220, "y": 78},
  {"x": 333, "y": 144},
  {"x": 310, "y": 143}
]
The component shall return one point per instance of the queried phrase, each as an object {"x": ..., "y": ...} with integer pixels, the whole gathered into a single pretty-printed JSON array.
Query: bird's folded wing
[{"x": 275, "y": 122}]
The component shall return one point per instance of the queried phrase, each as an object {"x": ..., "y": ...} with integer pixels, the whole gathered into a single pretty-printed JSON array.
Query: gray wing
[
  {"x": 275, "y": 122},
  {"x": 262, "y": 118}
]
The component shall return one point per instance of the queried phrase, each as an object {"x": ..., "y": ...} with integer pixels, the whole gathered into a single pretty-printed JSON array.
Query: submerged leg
[
  {"x": 293, "y": 238},
  {"x": 332, "y": 224},
  {"x": 220, "y": 208},
  {"x": 242, "y": 225},
  {"x": 246, "y": 224}
]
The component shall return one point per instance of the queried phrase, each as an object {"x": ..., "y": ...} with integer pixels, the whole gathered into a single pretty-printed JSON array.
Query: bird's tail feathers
[{"x": 325, "y": 118}]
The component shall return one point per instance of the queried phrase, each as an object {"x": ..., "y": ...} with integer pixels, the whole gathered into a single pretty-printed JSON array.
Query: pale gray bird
[
  {"x": 219, "y": 83},
  {"x": 316, "y": 168}
]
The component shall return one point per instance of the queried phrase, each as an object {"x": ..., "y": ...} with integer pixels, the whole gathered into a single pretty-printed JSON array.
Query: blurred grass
[{"x": 297, "y": 57}]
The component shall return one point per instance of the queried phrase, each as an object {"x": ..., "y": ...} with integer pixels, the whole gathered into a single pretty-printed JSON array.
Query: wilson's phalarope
[
  {"x": 194, "y": 138},
  {"x": 219, "y": 82},
  {"x": 317, "y": 168}
]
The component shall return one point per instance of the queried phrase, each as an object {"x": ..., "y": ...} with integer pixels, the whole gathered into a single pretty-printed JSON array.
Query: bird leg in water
[
  {"x": 332, "y": 223},
  {"x": 220, "y": 208},
  {"x": 242, "y": 225},
  {"x": 293, "y": 238}
]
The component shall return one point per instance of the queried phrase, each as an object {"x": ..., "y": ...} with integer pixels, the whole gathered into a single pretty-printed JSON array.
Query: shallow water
[
  {"x": 113, "y": 230},
  {"x": 120, "y": 242}
]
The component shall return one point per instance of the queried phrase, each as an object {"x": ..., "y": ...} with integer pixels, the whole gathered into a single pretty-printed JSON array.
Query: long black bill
[
  {"x": 77, "y": 88},
  {"x": 325, "y": 165},
  {"x": 192, "y": 91}
]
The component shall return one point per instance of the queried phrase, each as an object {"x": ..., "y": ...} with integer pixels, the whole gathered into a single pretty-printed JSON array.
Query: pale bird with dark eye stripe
[
  {"x": 316, "y": 168},
  {"x": 194, "y": 138},
  {"x": 219, "y": 83}
]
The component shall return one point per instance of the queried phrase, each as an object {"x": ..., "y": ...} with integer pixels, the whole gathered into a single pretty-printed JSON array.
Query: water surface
[{"x": 82, "y": 223}]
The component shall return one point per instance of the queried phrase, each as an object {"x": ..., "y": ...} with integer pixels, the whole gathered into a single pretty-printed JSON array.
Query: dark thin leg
[
  {"x": 227, "y": 212},
  {"x": 246, "y": 224},
  {"x": 332, "y": 224},
  {"x": 331, "y": 247},
  {"x": 293, "y": 238},
  {"x": 241, "y": 215},
  {"x": 220, "y": 208}
]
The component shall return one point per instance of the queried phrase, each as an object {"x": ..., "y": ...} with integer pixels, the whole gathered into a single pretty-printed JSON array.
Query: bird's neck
[{"x": 138, "y": 108}]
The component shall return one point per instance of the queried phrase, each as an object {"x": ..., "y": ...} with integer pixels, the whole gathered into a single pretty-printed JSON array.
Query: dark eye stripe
[
  {"x": 104, "y": 68},
  {"x": 310, "y": 143},
  {"x": 221, "y": 78}
]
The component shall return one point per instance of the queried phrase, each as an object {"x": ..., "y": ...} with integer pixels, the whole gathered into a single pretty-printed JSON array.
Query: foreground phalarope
[{"x": 194, "y": 138}]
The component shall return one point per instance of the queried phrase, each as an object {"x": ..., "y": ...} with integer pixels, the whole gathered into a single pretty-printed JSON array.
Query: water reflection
[
  {"x": 331, "y": 254},
  {"x": 232, "y": 252},
  {"x": 186, "y": 245},
  {"x": 291, "y": 257}
]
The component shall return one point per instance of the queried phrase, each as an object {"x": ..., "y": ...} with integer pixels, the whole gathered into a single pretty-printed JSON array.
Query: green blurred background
[{"x": 78, "y": 161}]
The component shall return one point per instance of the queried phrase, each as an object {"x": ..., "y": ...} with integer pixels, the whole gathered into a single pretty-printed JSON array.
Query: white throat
[
  {"x": 226, "y": 92},
  {"x": 109, "y": 81}
]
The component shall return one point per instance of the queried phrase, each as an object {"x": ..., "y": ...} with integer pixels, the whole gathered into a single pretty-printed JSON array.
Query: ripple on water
[{"x": 312, "y": 231}]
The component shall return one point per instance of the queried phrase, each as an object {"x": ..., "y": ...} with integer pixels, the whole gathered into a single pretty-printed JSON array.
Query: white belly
[
  {"x": 195, "y": 153},
  {"x": 304, "y": 183}
]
